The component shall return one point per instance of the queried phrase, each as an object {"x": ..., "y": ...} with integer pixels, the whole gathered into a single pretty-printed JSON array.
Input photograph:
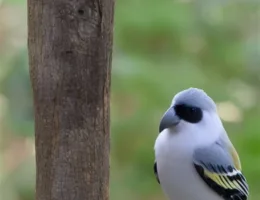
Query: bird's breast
[{"x": 178, "y": 177}]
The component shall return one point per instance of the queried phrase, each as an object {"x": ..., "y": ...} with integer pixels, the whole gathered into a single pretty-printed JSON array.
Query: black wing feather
[
  {"x": 226, "y": 193},
  {"x": 155, "y": 172}
]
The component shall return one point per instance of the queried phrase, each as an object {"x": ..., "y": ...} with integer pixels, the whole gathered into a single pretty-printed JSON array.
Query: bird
[{"x": 194, "y": 157}]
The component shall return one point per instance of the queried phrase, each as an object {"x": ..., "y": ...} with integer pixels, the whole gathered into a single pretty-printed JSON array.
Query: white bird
[{"x": 194, "y": 157}]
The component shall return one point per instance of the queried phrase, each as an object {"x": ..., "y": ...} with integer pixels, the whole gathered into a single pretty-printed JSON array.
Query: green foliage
[{"x": 160, "y": 48}]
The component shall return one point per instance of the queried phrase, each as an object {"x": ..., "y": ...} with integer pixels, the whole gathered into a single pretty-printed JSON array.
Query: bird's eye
[
  {"x": 193, "y": 110},
  {"x": 188, "y": 113}
]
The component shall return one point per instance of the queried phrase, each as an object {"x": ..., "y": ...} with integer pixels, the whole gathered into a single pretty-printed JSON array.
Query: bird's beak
[{"x": 169, "y": 119}]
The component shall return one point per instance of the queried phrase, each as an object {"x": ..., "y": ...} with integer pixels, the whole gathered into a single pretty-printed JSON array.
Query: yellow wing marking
[
  {"x": 235, "y": 158},
  {"x": 222, "y": 180},
  {"x": 215, "y": 177}
]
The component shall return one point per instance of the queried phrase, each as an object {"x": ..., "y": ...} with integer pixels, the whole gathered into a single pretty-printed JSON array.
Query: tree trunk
[{"x": 70, "y": 47}]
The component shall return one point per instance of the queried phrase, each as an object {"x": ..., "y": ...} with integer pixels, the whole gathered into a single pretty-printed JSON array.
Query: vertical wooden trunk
[{"x": 70, "y": 47}]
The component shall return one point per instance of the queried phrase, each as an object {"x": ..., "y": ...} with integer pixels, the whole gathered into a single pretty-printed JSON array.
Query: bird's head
[{"x": 190, "y": 108}]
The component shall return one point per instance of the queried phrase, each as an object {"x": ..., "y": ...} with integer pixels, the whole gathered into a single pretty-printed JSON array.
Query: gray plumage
[
  {"x": 194, "y": 158},
  {"x": 195, "y": 97},
  {"x": 213, "y": 155}
]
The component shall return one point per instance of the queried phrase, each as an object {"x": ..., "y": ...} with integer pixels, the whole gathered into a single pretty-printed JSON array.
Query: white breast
[{"x": 176, "y": 172}]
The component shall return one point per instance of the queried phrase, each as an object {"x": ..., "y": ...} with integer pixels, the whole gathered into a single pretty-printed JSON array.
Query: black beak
[{"x": 169, "y": 119}]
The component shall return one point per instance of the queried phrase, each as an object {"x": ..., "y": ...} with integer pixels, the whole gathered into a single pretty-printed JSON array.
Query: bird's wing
[
  {"x": 219, "y": 167},
  {"x": 155, "y": 172}
]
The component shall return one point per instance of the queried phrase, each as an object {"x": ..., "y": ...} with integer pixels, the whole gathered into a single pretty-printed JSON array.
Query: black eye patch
[{"x": 189, "y": 113}]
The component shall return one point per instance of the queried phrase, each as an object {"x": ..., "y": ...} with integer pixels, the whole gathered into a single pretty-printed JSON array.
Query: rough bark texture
[{"x": 70, "y": 45}]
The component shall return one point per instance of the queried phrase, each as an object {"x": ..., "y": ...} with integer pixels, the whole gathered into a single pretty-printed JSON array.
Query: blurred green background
[{"x": 160, "y": 48}]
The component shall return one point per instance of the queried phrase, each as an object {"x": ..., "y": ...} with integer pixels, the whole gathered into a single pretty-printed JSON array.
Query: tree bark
[{"x": 70, "y": 49}]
